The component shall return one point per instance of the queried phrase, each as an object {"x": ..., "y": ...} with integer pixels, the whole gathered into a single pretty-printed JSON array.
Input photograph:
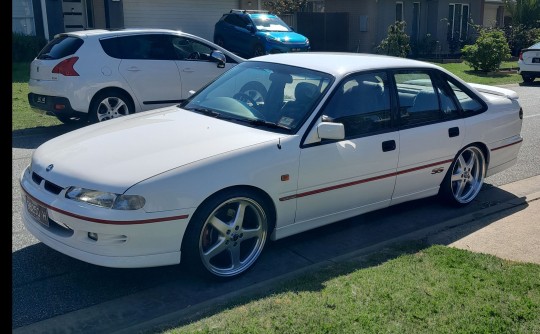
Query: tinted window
[
  {"x": 152, "y": 46},
  {"x": 235, "y": 20},
  {"x": 421, "y": 101},
  {"x": 362, "y": 104},
  {"x": 469, "y": 103},
  {"x": 188, "y": 49},
  {"x": 60, "y": 47}
]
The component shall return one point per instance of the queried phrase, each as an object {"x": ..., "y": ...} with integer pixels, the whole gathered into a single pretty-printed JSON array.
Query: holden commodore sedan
[{"x": 210, "y": 181}]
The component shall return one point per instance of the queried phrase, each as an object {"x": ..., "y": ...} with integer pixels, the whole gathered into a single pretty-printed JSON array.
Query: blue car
[{"x": 256, "y": 33}]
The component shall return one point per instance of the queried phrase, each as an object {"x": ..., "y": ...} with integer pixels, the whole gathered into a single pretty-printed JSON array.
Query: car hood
[
  {"x": 118, "y": 153},
  {"x": 287, "y": 37}
]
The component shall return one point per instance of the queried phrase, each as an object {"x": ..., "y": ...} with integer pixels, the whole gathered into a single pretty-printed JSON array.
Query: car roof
[
  {"x": 342, "y": 63},
  {"x": 126, "y": 31}
]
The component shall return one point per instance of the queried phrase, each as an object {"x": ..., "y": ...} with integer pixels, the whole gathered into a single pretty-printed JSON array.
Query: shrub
[
  {"x": 424, "y": 47},
  {"x": 520, "y": 37},
  {"x": 396, "y": 42},
  {"x": 488, "y": 52},
  {"x": 24, "y": 48}
]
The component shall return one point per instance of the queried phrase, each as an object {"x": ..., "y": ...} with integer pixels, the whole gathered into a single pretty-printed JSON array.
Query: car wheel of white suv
[{"x": 109, "y": 105}]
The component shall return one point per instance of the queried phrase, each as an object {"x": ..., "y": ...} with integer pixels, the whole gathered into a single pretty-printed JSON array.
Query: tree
[
  {"x": 285, "y": 6},
  {"x": 488, "y": 52},
  {"x": 396, "y": 42},
  {"x": 524, "y": 12}
]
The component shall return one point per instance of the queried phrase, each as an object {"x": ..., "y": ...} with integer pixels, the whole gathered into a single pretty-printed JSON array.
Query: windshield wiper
[
  {"x": 205, "y": 111},
  {"x": 260, "y": 122}
]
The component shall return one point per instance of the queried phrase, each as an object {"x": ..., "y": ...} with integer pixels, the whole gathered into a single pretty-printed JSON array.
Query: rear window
[{"x": 60, "y": 47}]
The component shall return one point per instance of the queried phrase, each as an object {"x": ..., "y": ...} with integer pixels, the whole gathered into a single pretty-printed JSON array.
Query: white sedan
[{"x": 208, "y": 182}]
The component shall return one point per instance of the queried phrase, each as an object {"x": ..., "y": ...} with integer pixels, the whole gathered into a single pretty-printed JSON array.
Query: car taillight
[
  {"x": 65, "y": 67},
  {"x": 521, "y": 55}
]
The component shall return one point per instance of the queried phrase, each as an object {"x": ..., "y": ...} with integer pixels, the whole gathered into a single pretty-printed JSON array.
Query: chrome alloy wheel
[
  {"x": 111, "y": 107},
  {"x": 233, "y": 236},
  {"x": 468, "y": 174}
]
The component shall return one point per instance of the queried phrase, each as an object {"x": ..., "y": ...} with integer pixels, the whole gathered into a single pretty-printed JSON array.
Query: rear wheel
[
  {"x": 465, "y": 177},
  {"x": 109, "y": 105},
  {"x": 227, "y": 234},
  {"x": 527, "y": 79}
]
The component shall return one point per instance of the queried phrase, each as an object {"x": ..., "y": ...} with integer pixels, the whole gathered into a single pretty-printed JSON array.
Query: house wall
[{"x": 359, "y": 41}]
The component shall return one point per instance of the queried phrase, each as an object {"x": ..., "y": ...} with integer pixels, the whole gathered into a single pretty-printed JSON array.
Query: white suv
[
  {"x": 529, "y": 63},
  {"x": 96, "y": 75}
]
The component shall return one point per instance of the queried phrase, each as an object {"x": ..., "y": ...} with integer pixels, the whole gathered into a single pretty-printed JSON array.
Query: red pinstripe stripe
[
  {"x": 107, "y": 222},
  {"x": 348, "y": 184},
  {"x": 498, "y": 148}
]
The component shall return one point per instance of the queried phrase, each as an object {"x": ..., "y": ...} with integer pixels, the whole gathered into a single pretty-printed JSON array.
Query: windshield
[
  {"x": 277, "y": 97},
  {"x": 269, "y": 23}
]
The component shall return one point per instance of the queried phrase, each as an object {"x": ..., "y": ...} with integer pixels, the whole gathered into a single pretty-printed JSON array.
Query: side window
[
  {"x": 135, "y": 47},
  {"x": 188, "y": 49},
  {"x": 235, "y": 20},
  {"x": 160, "y": 48},
  {"x": 469, "y": 104},
  {"x": 362, "y": 104},
  {"x": 421, "y": 101}
]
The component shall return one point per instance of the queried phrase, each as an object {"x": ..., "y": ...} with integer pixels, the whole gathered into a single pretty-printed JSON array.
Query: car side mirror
[
  {"x": 327, "y": 130},
  {"x": 250, "y": 28},
  {"x": 219, "y": 58}
]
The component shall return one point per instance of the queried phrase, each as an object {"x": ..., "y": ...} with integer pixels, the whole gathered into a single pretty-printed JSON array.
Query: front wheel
[
  {"x": 227, "y": 234},
  {"x": 107, "y": 106},
  {"x": 465, "y": 177}
]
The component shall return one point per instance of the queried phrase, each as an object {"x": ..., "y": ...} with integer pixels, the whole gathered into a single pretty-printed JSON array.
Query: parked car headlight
[
  {"x": 273, "y": 39},
  {"x": 307, "y": 41},
  {"x": 106, "y": 199}
]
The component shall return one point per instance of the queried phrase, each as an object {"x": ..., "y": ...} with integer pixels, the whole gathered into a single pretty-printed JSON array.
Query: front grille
[{"x": 49, "y": 186}]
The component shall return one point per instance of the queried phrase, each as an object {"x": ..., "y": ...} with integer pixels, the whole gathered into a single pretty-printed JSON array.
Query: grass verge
[
  {"x": 507, "y": 74},
  {"x": 434, "y": 290}
]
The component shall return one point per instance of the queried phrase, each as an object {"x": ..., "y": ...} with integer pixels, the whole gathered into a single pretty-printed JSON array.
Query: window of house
[
  {"x": 399, "y": 11},
  {"x": 416, "y": 21},
  {"x": 458, "y": 21},
  {"x": 362, "y": 104}
]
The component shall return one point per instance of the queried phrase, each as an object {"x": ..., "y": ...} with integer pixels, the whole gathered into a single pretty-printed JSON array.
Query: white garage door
[{"x": 192, "y": 16}]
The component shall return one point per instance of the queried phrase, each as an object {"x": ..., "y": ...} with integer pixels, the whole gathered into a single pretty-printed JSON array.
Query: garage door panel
[{"x": 194, "y": 17}]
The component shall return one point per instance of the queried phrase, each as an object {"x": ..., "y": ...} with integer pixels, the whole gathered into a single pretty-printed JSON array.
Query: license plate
[
  {"x": 295, "y": 49},
  {"x": 37, "y": 211},
  {"x": 536, "y": 60},
  {"x": 41, "y": 99}
]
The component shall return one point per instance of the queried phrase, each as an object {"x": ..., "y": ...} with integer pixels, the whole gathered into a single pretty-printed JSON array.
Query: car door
[
  {"x": 342, "y": 178},
  {"x": 236, "y": 34},
  {"x": 148, "y": 64},
  {"x": 431, "y": 133},
  {"x": 195, "y": 65}
]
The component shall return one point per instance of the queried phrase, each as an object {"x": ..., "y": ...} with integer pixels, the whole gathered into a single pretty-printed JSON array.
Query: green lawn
[
  {"x": 506, "y": 76},
  {"x": 434, "y": 290}
]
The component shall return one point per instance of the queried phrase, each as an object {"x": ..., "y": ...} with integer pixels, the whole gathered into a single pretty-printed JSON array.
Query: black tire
[
  {"x": 464, "y": 180},
  {"x": 527, "y": 79},
  {"x": 109, "y": 105},
  {"x": 220, "y": 243},
  {"x": 258, "y": 50},
  {"x": 255, "y": 90}
]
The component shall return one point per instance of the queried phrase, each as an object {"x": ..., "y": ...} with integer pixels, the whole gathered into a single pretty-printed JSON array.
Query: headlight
[
  {"x": 270, "y": 38},
  {"x": 307, "y": 41},
  {"x": 105, "y": 199}
]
